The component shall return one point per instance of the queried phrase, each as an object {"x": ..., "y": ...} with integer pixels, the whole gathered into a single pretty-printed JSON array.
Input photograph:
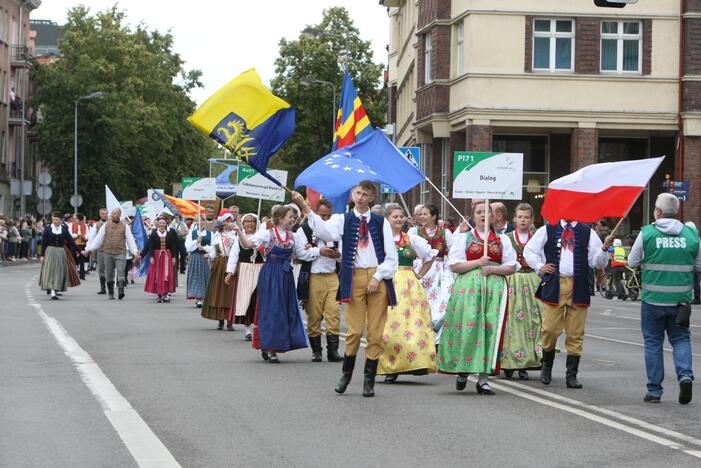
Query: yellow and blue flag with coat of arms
[{"x": 247, "y": 119}]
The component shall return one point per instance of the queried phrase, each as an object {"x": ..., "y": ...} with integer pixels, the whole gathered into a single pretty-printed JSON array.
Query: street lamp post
[
  {"x": 96, "y": 94},
  {"x": 307, "y": 81},
  {"x": 313, "y": 33}
]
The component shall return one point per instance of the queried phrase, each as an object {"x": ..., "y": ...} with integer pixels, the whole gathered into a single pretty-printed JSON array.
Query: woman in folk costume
[
  {"x": 278, "y": 325},
  {"x": 220, "y": 294},
  {"x": 438, "y": 281},
  {"x": 246, "y": 269},
  {"x": 409, "y": 343},
  {"x": 475, "y": 315},
  {"x": 57, "y": 249},
  {"x": 200, "y": 251},
  {"x": 162, "y": 276},
  {"x": 522, "y": 349}
]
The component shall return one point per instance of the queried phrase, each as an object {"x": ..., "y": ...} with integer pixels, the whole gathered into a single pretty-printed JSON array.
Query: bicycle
[{"x": 630, "y": 283}]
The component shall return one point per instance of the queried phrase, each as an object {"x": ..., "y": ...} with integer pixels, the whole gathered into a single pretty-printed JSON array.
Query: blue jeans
[{"x": 654, "y": 322}]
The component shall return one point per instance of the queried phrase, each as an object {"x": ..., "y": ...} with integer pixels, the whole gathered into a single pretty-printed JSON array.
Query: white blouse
[
  {"x": 457, "y": 251},
  {"x": 264, "y": 238}
]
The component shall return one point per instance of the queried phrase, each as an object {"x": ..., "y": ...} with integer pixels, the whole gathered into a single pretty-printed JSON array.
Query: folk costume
[
  {"x": 57, "y": 271},
  {"x": 198, "y": 244},
  {"x": 99, "y": 258},
  {"x": 522, "y": 349},
  {"x": 278, "y": 325},
  {"x": 409, "y": 343},
  {"x": 79, "y": 233},
  {"x": 573, "y": 248},
  {"x": 162, "y": 276},
  {"x": 368, "y": 252},
  {"x": 246, "y": 270},
  {"x": 219, "y": 296},
  {"x": 476, "y": 312},
  {"x": 114, "y": 238},
  {"x": 317, "y": 287},
  {"x": 438, "y": 281}
]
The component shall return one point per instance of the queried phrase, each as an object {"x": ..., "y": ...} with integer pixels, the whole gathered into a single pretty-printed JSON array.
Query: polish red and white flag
[{"x": 606, "y": 190}]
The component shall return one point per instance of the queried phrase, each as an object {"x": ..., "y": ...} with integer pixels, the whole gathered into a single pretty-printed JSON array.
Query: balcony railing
[{"x": 20, "y": 54}]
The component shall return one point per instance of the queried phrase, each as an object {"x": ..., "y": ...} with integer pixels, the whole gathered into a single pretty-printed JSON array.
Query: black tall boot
[
  {"x": 571, "y": 374},
  {"x": 102, "y": 285},
  {"x": 120, "y": 290},
  {"x": 369, "y": 381},
  {"x": 332, "y": 348},
  {"x": 546, "y": 370},
  {"x": 346, "y": 373},
  {"x": 110, "y": 290},
  {"x": 315, "y": 343}
]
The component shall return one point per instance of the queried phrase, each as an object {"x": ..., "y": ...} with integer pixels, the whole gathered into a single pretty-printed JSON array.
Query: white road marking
[
  {"x": 147, "y": 449},
  {"x": 637, "y": 319},
  {"x": 615, "y": 340}
]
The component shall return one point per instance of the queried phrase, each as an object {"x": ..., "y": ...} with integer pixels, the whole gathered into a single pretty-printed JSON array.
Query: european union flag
[
  {"x": 247, "y": 119},
  {"x": 374, "y": 158},
  {"x": 140, "y": 237}
]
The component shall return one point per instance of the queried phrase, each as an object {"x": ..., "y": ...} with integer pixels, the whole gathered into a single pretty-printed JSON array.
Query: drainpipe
[{"x": 680, "y": 120}]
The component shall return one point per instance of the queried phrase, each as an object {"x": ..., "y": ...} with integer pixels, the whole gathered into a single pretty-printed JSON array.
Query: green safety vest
[{"x": 668, "y": 265}]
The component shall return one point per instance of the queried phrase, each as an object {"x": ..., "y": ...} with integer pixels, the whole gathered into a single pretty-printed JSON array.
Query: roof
[{"x": 48, "y": 33}]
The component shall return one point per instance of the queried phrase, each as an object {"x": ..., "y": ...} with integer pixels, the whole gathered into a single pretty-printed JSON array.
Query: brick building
[{"x": 565, "y": 83}]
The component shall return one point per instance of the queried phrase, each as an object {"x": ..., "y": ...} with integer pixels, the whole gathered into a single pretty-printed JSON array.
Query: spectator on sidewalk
[{"x": 13, "y": 239}]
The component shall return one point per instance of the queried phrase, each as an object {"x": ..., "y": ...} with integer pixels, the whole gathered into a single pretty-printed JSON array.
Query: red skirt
[{"x": 161, "y": 277}]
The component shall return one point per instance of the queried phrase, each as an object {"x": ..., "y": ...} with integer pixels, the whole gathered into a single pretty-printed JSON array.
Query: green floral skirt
[{"x": 522, "y": 348}]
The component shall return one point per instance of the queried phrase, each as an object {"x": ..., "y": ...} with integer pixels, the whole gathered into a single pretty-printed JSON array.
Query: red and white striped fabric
[{"x": 605, "y": 190}]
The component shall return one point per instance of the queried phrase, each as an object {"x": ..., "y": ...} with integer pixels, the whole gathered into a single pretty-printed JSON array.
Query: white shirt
[
  {"x": 96, "y": 242},
  {"x": 264, "y": 238},
  {"x": 457, "y": 253},
  {"x": 320, "y": 264},
  {"x": 191, "y": 243},
  {"x": 535, "y": 256},
  {"x": 56, "y": 230},
  {"x": 448, "y": 235},
  {"x": 332, "y": 230}
]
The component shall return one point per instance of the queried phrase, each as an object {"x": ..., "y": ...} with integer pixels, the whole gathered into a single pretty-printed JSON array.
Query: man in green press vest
[{"x": 668, "y": 253}]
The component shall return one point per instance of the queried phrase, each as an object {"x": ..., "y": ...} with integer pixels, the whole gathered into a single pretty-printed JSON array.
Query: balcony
[
  {"x": 20, "y": 56},
  {"x": 16, "y": 117}
]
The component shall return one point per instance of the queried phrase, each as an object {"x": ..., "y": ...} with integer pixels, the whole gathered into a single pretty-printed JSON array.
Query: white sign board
[
  {"x": 201, "y": 189},
  {"x": 493, "y": 176},
  {"x": 153, "y": 202},
  {"x": 251, "y": 184}
]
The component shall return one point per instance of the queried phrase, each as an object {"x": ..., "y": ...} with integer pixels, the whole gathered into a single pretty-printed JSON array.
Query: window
[
  {"x": 428, "y": 54},
  {"x": 553, "y": 45},
  {"x": 621, "y": 46},
  {"x": 459, "y": 48},
  {"x": 3, "y": 27}
]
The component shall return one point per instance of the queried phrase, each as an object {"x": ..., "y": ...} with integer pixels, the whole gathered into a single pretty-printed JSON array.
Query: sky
[{"x": 225, "y": 38}]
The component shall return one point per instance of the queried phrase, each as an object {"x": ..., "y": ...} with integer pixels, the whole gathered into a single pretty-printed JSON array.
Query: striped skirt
[
  {"x": 198, "y": 271},
  {"x": 55, "y": 269},
  {"x": 246, "y": 284},
  {"x": 219, "y": 296}
]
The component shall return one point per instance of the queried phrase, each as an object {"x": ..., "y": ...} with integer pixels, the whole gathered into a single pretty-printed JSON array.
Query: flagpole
[
  {"x": 446, "y": 199},
  {"x": 406, "y": 207}
]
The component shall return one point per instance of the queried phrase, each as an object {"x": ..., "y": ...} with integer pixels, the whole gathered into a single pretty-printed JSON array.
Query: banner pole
[
  {"x": 446, "y": 199},
  {"x": 406, "y": 207},
  {"x": 486, "y": 225},
  {"x": 260, "y": 200}
]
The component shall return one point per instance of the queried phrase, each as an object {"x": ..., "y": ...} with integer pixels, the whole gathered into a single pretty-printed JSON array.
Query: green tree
[
  {"x": 133, "y": 138},
  {"x": 318, "y": 58}
]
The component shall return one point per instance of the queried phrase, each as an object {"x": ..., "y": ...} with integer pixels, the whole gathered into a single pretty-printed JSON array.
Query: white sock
[
  {"x": 248, "y": 329},
  {"x": 53, "y": 292},
  {"x": 483, "y": 378}
]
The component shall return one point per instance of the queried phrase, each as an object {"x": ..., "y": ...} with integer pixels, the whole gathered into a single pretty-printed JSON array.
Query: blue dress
[{"x": 278, "y": 317}]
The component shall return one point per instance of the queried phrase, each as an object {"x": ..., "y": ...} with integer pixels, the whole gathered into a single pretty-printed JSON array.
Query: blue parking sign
[{"x": 413, "y": 156}]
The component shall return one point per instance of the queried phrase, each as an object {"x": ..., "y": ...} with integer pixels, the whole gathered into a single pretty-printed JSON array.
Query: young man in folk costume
[
  {"x": 562, "y": 253},
  {"x": 368, "y": 263},
  {"x": 114, "y": 237},
  {"x": 317, "y": 287},
  {"x": 79, "y": 233},
  {"x": 99, "y": 258}
]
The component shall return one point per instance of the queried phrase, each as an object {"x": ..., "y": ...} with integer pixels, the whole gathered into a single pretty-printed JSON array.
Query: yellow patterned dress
[{"x": 409, "y": 344}]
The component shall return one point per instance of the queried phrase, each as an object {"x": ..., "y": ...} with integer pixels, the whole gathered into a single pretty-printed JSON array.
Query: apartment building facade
[{"x": 564, "y": 82}]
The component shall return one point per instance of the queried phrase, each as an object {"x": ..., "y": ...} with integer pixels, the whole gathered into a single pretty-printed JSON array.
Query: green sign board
[{"x": 493, "y": 176}]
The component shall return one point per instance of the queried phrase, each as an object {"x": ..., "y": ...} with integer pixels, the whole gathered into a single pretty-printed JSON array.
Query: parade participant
[
  {"x": 99, "y": 257},
  {"x": 438, "y": 281},
  {"x": 114, "y": 237},
  {"x": 317, "y": 287},
  {"x": 181, "y": 230},
  {"x": 474, "y": 318},
  {"x": 563, "y": 253},
  {"x": 79, "y": 232},
  {"x": 200, "y": 250},
  {"x": 501, "y": 223},
  {"x": 409, "y": 345},
  {"x": 522, "y": 349},
  {"x": 278, "y": 325},
  {"x": 668, "y": 254},
  {"x": 368, "y": 264},
  {"x": 218, "y": 298},
  {"x": 250, "y": 262},
  {"x": 161, "y": 278},
  {"x": 57, "y": 245},
  {"x": 618, "y": 267}
]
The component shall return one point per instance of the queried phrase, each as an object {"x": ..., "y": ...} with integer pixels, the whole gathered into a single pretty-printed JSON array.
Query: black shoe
[
  {"x": 685, "y": 392},
  {"x": 221, "y": 325},
  {"x": 571, "y": 374},
  {"x": 160, "y": 299},
  {"x": 82, "y": 278},
  {"x": 230, "y": 327},
  {"x": 273, "y": 358},
  {"x": 265, "y": 356},
  {"x": 522, "y": 375},
  {"x": 369, "y": 380},
  {"x": 546, "y": 370},
  {"x": 132, "y": 282},
  {"x": 120, "y": 291},
  {"x": 391, "y": 378},
  {"x": 315, "y": 343},
  {"x": 102, "y": 286},
  {"x": 461, "y": 383},
  {"x": 110, "y": 291},
  {"x": 346, "y": 374},
  {"x": 484, "y": 389},
  {"x": 651, "y": 399},
  {"x": 508, "y": 373},
  {"x": 332, "y": 349}
]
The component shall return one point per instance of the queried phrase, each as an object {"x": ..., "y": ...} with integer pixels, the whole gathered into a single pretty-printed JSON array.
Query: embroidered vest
[
  {"x": 438, "y": 241},
  {"x": 115, "y": 238}
]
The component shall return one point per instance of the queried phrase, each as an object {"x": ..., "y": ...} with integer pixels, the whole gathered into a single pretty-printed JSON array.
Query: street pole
[
  {"x": 22, "y": 198},
  {"x": 75, "y": 158}
]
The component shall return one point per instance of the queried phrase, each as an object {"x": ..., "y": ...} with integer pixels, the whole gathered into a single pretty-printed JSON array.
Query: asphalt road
[{"x": 137, "y": 382}]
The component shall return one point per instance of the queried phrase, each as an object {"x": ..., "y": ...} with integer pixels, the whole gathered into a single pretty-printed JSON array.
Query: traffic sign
[
  {"x": 76, "y": 201},
  {"x": 44, "y": 207},
  {"x": 44, "y": 192},
  {"x": 413, "y": 155},
  {"x": 44, "y": 178},
  {"x": 678, "y": 188}
]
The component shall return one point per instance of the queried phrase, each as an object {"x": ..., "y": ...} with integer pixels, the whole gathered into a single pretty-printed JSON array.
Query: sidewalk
[{"x": 6, "y": 263}]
